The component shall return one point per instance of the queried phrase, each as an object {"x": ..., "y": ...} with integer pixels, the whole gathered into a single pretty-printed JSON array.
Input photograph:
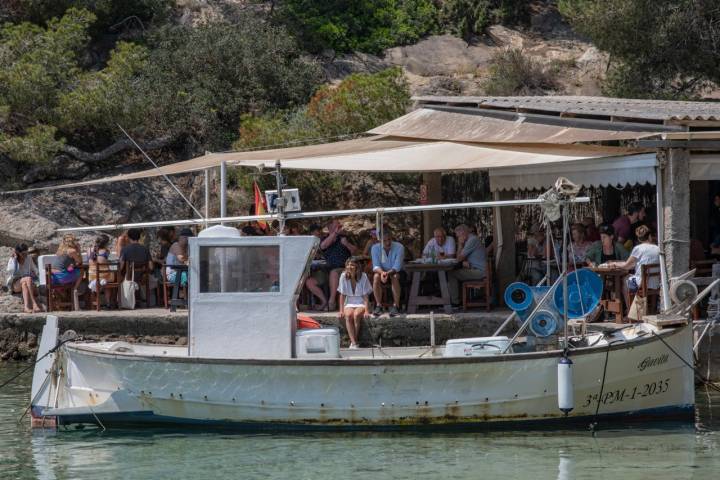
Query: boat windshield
[{"x": 231, "y": 269}]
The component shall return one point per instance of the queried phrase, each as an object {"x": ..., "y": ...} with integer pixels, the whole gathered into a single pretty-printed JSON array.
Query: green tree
[
  {"x": 659, "y": 49},
  {"x": 199, "y": 81},
  {"x": 102, "y": 99},
  {"x": 359, "y": 103},
  {"x": 350, "y": 25}
]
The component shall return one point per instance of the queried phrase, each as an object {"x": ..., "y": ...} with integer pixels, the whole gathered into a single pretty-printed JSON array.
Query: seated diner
[
  {"x": 99, "y": 254},
  {"x": 387, "y": 262},
  {"x": 606, "y": 249},
  {"x": 22, "y": 277},
  {"x": 440, "y": 245},
  {"x": 178, "y": 255},
  {"x": 354, "y": 290},
  {"x": 645, "y": 253},
  {"x": 473, "y": 257}
]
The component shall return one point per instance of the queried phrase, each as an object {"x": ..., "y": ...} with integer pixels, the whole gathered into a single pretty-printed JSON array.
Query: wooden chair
[
  {"x": 652, "y": 295},
  {"x": 169, "y": 288},
  {"x": 485, "y": 286},
  {"x": 58, "y": 296},
  {"x": 110, "y": 272}
]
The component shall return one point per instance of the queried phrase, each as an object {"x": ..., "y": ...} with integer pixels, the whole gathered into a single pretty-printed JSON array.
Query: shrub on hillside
[
  {"x": 467, "y": 18},
  {"x": 512, "y": 72}
]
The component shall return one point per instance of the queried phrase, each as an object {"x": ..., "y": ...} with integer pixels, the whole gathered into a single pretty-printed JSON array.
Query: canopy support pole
[
  {"x": 223, "y": 191},
  {"x": 659, "y": 186},
  {"x": 155, "y": 165},
  {"x": 498, "y": 230},
  {"x": 207, "y": 194}
]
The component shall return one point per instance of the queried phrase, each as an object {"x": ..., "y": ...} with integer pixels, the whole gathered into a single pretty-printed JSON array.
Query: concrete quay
[{"x": 19, "y": 331}]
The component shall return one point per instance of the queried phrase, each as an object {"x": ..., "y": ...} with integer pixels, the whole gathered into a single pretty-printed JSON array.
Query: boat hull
[{"x": 642, "y": 378}]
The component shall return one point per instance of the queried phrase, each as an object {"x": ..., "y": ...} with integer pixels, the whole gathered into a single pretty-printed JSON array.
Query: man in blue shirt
[
  {"x": 387, "y": 268},
  {"x": 471, "y": 252}
]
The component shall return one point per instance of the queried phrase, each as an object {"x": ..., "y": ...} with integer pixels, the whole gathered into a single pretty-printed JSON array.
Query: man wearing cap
[{"x": 387, "y": 261}]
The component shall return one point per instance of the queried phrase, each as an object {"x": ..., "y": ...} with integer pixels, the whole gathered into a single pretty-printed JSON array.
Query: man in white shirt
[{"x": 441, "y": 244}]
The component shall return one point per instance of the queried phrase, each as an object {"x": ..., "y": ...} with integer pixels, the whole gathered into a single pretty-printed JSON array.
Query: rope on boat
[
  {"x": 52, "y": 350},
  {"x": 698, "y": 375}
]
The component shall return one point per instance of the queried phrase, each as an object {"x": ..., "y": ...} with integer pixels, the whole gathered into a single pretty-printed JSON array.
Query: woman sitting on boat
[
  {"x": 607, "y": 249},
  {"x": 354, "y": 289}
]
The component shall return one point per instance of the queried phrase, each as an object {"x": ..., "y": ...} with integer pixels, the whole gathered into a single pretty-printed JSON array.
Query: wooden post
[
  {"x": 432, "y": 184},
  {"x": 505, "y": 262}
]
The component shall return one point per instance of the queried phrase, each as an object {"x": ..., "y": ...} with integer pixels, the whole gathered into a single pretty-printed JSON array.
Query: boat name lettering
[
  {"x": 653, "y": 361},
  {"x": 625, "y": 394}
]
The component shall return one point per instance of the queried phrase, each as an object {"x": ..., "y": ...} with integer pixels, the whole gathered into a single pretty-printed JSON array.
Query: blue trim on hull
[{"x": 149, "y": 419}]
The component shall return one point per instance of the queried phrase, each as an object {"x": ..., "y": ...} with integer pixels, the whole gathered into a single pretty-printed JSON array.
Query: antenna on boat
[{"x": 280, "y": 203}]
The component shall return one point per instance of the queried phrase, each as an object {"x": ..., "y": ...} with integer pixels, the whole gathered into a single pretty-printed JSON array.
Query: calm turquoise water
[{"x": 672, "y": 451}]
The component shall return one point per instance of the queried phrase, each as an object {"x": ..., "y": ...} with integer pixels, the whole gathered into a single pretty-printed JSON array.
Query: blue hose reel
[{"x": 584, "y": 293}]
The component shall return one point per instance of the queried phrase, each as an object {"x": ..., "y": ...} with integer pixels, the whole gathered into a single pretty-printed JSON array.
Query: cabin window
[{"x": 239, "y": 269}]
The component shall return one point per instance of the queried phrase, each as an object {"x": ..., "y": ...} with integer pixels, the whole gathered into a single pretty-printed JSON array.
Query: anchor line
[
  {"x": 52, "y": 350},
  {"x": 594, "y": 423},
  {"x": 698, "y": 375}
]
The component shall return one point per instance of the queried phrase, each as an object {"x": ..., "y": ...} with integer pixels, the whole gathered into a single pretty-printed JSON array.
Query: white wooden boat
[{"x": 247, "y": 366}]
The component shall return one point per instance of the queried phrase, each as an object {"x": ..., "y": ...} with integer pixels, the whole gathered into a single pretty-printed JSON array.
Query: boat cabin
[{"x": 242, "y": 293}]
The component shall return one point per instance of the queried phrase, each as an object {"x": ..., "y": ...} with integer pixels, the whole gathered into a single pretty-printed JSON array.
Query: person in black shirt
[{"x": 134, "y": 252}]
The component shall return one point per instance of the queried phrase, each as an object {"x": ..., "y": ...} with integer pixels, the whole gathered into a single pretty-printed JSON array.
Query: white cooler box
[
  {"x": 475, "y": 347},
  {"x": 317, "y": 343}
]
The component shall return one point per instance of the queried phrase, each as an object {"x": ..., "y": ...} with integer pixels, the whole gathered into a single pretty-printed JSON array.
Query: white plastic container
[
  {"x": 475, "y": 347},
  {"x": 317, "y": 343}
]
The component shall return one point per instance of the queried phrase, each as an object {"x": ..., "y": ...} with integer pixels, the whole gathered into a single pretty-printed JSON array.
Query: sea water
[{"x": 686, "y": 450}]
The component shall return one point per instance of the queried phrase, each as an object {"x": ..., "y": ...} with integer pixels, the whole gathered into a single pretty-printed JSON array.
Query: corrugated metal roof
[
  {"x": 430, "y": 124},
  {"x": 657, "y": 110}
]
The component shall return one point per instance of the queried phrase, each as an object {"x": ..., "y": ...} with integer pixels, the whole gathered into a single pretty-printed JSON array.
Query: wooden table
[
  {"x": 417, "y": 269},
  {"x": 612, "y": 300}
]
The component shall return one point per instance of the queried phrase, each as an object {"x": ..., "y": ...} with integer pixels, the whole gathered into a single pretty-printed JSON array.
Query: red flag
[{"x": 260, "y": 207}]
